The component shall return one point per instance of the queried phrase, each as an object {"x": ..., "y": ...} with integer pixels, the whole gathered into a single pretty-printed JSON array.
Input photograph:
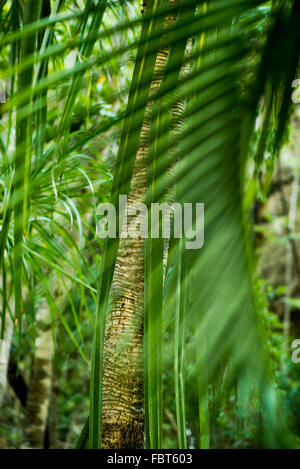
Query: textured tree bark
[
  {"x": 122, "y": 398},
  {"x": 39, "y": 388}
]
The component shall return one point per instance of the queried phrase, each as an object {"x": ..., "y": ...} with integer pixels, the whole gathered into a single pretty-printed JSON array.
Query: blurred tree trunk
[
  {"x": 5, "y": 345},
  {"x": 39, "y": 389},
  {"x": 122, "y": 398}
]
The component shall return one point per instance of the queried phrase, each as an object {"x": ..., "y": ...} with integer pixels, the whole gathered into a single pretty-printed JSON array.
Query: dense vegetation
[{"x": 124, "y": 342}]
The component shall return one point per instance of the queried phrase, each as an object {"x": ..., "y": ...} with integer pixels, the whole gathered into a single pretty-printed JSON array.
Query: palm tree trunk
[
  {"x": 122, "y": 398},
  {"x": 5, "y": 345},
  {"x": 39, "y": 388}
]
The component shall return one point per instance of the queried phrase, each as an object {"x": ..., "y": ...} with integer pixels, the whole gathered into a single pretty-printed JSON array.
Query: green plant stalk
[
  {"x": 180, "y": 314},
  {"x": 203, "y": 404},
  {"x": 4, "y": 301},
  {"x": 6, "y": 222},
  {"x": 202, "y": 385},
  {"x": 153, "y": 325},
  {"x": 41, "y": 116},
  {"x": 15, "y": 51},
  {"x": 84, "y": 436}
]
